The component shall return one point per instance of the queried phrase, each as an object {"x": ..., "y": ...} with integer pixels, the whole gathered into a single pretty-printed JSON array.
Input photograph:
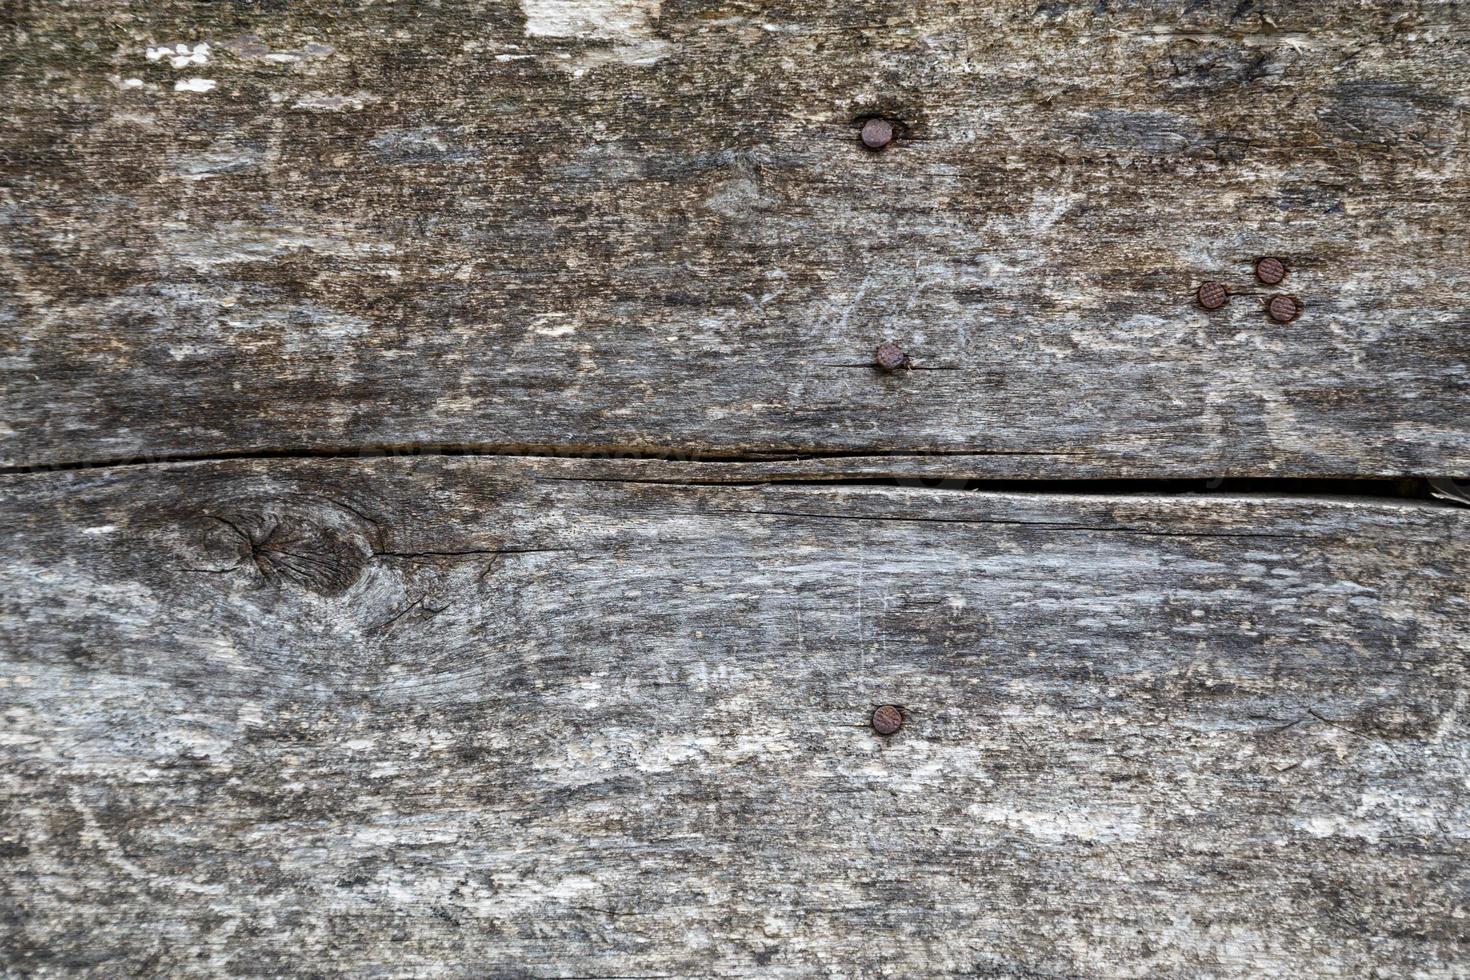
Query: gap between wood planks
[
  {"x": 1399, "y": 488},
  {"x": 526, "y": 450}
]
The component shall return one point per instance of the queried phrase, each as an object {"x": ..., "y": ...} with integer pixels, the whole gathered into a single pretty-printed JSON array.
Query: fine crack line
[
  {"x": 415, "y": 555},
  {"x": 526, "y": 450},
  {"x": 1045, "y": 525},
  {"x": 419, "y": 604}
]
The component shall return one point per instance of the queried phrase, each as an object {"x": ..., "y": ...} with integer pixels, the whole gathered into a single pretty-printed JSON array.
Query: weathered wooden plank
[
  {"x": 620, "y": 223},
  {"x": 513, "y": 718}
]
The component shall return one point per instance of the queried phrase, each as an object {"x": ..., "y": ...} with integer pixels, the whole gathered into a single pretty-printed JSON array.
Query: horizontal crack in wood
[
  {"x": 1042, "y": 525},
  {"x": 523, "y": 451}
]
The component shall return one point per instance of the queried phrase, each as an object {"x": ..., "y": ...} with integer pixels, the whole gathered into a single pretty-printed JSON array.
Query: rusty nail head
[
  {"x": 1211, "y": 295},
  {"x": 1270, "y": 270},
  {"x": 890, "y": 356},
  {"x": 887, "y": 719},
  {"x": 1283, "y": 308},
  {"x": 877, "y": 133}
]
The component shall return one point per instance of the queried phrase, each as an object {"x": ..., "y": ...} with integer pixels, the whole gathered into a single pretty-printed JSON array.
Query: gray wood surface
[
  {"x": 556, "y": 225},
  {"x": 521, "y": 718},
  {"x": 282, "y": 696}
]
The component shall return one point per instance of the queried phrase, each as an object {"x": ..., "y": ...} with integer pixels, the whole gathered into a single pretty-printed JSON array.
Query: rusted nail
[
  {"x": 1211, "y": 295},
  {"x": 887, "y": 719},
  {"x": 1283, "y": 308},
  {"x": 890, "y": 356},
  {"x": 1270, "y": 270},
  {"x": 877, "y": 133}
]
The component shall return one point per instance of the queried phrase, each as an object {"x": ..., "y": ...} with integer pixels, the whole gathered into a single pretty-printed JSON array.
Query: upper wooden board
[{"x": 234, "y": 227}]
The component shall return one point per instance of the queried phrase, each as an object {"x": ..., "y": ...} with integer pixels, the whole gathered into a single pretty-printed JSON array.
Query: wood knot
[{"x": 312, "y": 548}]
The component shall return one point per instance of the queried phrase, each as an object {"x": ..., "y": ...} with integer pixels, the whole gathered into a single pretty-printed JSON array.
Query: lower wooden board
[{"x": 506, "y": 717}]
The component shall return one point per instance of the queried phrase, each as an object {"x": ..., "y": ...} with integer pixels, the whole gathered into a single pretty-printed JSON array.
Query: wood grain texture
[
  {"x": 620, "y": 223},
  {"x": 518, "y": 718}
]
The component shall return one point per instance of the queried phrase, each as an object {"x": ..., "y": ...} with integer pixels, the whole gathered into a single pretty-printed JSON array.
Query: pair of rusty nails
[{"x": 1270, "y": 270}]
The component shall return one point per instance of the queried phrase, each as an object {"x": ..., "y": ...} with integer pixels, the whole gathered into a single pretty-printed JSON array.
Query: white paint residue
[
  {"x": 1096, "y": 825},
  {"x": 322, "y": 102},
  {"x": 553, "y": 325},
  {"x": 251, "y": 46},
  {"x": 1339, "y": 826},
  {"x": 665, "y": 755},
  {"x": 291, "y": 57},
  {"x": 627, "y": 23},
  {"x": 195, "y": 85},
  {"x": 229, "y": 242},
  {"x": 180, "y": 55},
  {"x": 612, "y": 19},
  {"x": 221, "y": 158}
]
